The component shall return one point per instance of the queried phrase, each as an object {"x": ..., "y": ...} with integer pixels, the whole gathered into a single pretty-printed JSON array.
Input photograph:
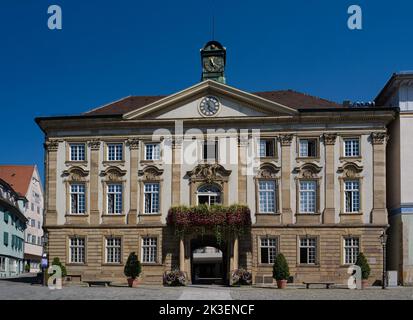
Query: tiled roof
[
  {"x": 289, "y": 98},
  {"x": 18, "y": 177}
]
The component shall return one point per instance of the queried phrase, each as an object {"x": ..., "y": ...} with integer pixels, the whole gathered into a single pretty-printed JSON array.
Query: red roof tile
[{"x": 18, "y": 177}]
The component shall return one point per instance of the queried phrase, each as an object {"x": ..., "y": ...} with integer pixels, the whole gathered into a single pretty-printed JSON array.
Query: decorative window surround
[
  {"x": 152, "y": 151},
  {"x": 113, "y": 176},
  {"x": 150, "y": 249},
  {"x": 77, "y": 248},
  {"x": 303, "y": 149},
  {"x": 268, "y": 249},
  {"x": 267, "y": 148},
  {"x": 343, "y": 156},
  {"x": 150, "y": 175},
  {"x": 308, "y": 251},
  {"x": 350, "y": 250},
  {"x": 77, "y": 156},
  {"x": 119, "y": 158}
]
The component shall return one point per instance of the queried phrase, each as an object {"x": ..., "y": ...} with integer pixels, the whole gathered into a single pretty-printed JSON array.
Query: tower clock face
[
  {"x": 209, "y": 106},
  {"x": 214, "y": 64}
]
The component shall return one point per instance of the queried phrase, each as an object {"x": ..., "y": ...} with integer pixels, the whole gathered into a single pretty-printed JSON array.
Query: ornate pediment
[
  {"x": 350, "y": 170},
  {"x": 150, "y": 173},
  {"x": 208, "y": 172},
  {"x": 76, "y": 174},
  {"x": 113, "y": 173},
  {"x": 308, "y": 171},
  {"x": 267, "y": 171}
]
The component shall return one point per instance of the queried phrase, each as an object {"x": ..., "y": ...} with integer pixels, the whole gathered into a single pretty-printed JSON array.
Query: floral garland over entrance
[{"x": 222, "y": 220}]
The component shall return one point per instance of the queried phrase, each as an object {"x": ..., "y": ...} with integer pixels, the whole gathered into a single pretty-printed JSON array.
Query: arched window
[{"x": 209, "y": 194}]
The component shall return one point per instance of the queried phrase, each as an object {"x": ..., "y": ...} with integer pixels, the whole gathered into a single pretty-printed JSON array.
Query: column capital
[
  {"x": 94, "y": 144},
  {"x": 52, "y": 145},
  {"x": 133, "y": 143},
  {"x": 330, "y": 138},
  {"x": 286, "y": 140},
  {"x": 379, "y": 137}
]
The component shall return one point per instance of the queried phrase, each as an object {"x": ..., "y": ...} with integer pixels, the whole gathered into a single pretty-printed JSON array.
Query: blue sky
[{"x": 111, "y": 49}]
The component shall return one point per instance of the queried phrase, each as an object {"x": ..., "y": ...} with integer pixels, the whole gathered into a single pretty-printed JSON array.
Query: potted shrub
[
  {"x": 365, "y": 269},
  {"x": 27, "y": 268},
  {"x": 132, "y": 270},
  {"x": 281, "y": 272}
]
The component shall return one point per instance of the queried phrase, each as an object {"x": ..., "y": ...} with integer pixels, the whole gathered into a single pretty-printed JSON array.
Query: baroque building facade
[{"x": 311, "y": 171}]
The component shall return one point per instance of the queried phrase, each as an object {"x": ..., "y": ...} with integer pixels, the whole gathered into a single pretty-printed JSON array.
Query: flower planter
[
  {"x": 364, "y": 284},
  {"x": 133, "y": 283},
  {"x": 282, "y": 284}
]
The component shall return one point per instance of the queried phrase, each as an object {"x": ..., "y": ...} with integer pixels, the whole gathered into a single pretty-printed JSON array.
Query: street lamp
[{"x": 383, "y": 241}]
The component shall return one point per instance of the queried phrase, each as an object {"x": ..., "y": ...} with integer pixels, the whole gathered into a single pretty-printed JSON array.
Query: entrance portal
[{"x": 208, "y": 261}]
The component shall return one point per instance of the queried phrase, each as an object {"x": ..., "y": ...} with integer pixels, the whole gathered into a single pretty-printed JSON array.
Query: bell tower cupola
[{"x": 213, "y": 58}]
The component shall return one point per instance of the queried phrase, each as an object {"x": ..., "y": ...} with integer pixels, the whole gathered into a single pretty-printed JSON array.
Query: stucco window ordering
[
  {"x": 267, "y": 197},
  {"x": 77, "y": 152},
  {"x": 352, "y": 147},
  {"x": 351, "y": 250},
  {"x": 115, "y": 151},
  {"x": 308, "y": 196},
  {"x": 308, "y": 250},
  {"x": 114, "y": 198},
  {"x": 113, "y": 250},
  {"x": 151, "y": 195},
  {"x": 352, "y": 196},
  {"x": 77, "y": 199},
  {"x": 269, "y": 249},
  {"x": 152, "y": 151},
  {"x": 77, "y": 250},
  {"x": 149, "y": 249}
]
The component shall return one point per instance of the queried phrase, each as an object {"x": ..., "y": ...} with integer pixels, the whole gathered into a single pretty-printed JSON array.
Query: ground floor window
[
  {"x": 3, "y": 264},
  {"x": 149, "y": 249},
  {"x": 308, "y": 250},
  {"x": 77, "y": 250},
  {"x": 113, "y": 250},
  {"x": 268, "y": 250},
  {"x": 351, "y": 250}
]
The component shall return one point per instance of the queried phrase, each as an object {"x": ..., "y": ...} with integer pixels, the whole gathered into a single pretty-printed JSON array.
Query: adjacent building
[
  {"x": 12, "y": 226},
  {"x": 311, "y": 171},
  {"x": 25, "y": 180},
  {"x": 398, "y": 92}
]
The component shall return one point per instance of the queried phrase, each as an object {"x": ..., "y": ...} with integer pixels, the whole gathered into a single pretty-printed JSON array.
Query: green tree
[
  {"x": 56, "y": 262},
  {"x": 364, "y": 266},
  {"x": 280, "y": 269},
  {"x": 133, "y": 266}
]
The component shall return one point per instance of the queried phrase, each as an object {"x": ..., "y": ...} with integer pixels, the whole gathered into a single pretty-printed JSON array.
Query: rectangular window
[
  {"x": 32, "y": 206},
  {"x": 210, "y": 150},
  {"x": 151, "y": 196},
  {"x": 77, "y": 199},
  {"x": 77, "y": 250},
  {"x": 38, "y": 224},
  {"x": 308, "y": 148},
  {"x": 308, "y": 251},
  {"x": 29, "y": 237},
  {"x": 308, "y": 195},
  {"x": 266, "y": 148},
  {"x": 32, "y": 223},
  {"x": 351, "y": 250},
  {"x": 149, "y": 250},
  {"x": 267, "y": 196},
  {"x": 33, "y": 239},
  {"x": 352, "y": 147},
  {"x": 6, "y": 217},
  {"x": 6, "y": 238},
  {"x": 113, "y": 250},
  {"x": 269, "y": 247},
  {"x": 115, "y": 152},
  {"x": 3, "y": 264},
  {"x": 114, "y": 195},
  {"x": 152, "y": 151},
  {"x": 77, "y": 152},
  {"x": 352, "y": 196}
]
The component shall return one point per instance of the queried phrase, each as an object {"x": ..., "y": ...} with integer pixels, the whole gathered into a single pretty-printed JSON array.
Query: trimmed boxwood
[
  {"x": 133, "y": 266},
  {"x": 364, "y": 266},
  {"x": 280, "y": 269}
]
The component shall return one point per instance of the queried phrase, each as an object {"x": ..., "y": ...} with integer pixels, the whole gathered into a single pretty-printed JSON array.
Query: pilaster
[
  {"x": 329, "y": 210},
  {"x": 94, "y": 181},
  {"x": 51, "y": 147},
  {"x": 133, "y": 145},
  {"x": 286, "y": 213}
]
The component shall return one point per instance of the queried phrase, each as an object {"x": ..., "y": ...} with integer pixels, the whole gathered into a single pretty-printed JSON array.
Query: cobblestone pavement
[{"x": 14, "y": 290}]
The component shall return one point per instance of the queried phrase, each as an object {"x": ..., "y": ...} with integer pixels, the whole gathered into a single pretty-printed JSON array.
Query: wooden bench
[
  {"x": 90, "y": 283},
  {"x": 326, "y": 284}
]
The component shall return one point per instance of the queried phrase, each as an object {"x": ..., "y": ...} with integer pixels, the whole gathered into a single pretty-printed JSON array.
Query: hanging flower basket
[{"x": 222, "y": 220}]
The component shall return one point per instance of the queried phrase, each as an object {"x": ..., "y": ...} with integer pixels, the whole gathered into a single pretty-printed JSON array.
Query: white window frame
[
  {"x": 353, "y": 148},
  {"x": 78, "y": 191},
  {"x": 271, "y": 246},
  {"x": 303, "y": 149},
  {"x": 77, "y": 250},
  {"x": 262, "y": 148},
  {"x": 152, "y": 151},
  {"x": 113, "y": 250},
  {"x": 151, "y": 197},
  {"x": 77, "y": 151},
  {"x": 310, "y": 244},
  {"x": 352, "y": 196},
  {"x": 114, "y": 190},
  {"x": 305, "y": 197},
  {"x": 265, "y": 193},
  {"x": 351, "y": 249},
  {"x": 214, "y": 197},
  {"x": 149, "y": 252},
  {"x": 117, "y": 153}
]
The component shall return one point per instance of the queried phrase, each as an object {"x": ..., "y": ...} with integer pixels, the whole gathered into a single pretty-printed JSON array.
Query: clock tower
[{"x": 213, "y": 58}]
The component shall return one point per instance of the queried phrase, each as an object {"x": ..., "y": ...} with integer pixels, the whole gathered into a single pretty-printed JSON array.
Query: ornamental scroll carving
[
  {"x": 286, "y": 140},
  {"x": 308, "y": 171},
  {"x": 208, "y": 173},
  {"x": 268, "y": 171},
  {"x": 330, "y": 138},
  {"x": 113, "y": 174},
  {"x": 379, "y": 137},
  {"x": 351, "y": 170},
  {"x": 151, "y": 173},
  {"x": 76, "y": 174},
  {"x": 94, "y": 144},
  {"x": 133, "y": 143},
  {"x": 52, "y": 145}
]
